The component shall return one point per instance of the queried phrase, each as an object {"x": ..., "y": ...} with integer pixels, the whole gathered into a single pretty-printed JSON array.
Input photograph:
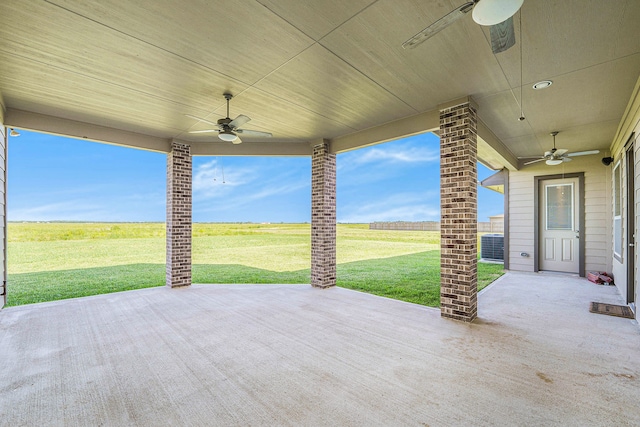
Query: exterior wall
[
  {"x": 620, "y": 265},
  {"x": 598, "y": 216},
  {"x": 459, "y": 213},
  {"x": 179, "y": 179},
  {"x": 598, "y": 212},
  {"x": 323, "y": 217},
  {"x": 521, "y": 220},
  {"x": 629, "y": 125}
]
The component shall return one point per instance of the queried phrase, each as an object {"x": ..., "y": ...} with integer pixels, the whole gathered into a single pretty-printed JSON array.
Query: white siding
[
  {"x": 620, "y": 268},
  {"x": 630, "y": 123},
  {"x": 597, "y": 233},
  {"x": 598, "y": 216}
]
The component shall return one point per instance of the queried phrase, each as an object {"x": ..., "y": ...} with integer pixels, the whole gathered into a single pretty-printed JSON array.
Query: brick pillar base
[
  {"x": 323, "y": 217},
  {"x": 179, "y": 215},
  {"x": 459, "y": 213}
]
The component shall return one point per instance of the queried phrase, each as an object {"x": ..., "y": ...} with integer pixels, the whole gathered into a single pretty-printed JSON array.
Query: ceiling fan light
[
  {"x": 492, "y": 12},
  {"x": 227, "y": 136},
  {"x": 554, "y": 162}
]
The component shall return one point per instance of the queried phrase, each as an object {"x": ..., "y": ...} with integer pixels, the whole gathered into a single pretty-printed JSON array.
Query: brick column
[
  {"x": 323, "y": 217},
  {"x": 179, "y": 215},
  {"x": 459, "y": 213}
]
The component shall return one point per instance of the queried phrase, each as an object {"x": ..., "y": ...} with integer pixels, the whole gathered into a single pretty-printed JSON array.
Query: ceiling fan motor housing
[{"x": 228, "y": 129}]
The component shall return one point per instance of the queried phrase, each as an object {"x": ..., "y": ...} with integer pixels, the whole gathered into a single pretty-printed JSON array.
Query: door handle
[{"x": 632, "y": 245}]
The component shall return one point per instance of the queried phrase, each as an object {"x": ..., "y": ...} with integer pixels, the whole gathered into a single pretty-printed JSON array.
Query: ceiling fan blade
[
  {"x": 560, "y": 151},
  {"x": 256, "y": 133},
  {"x": 237, "y": 140},
  {"x": 438, "y": 26},
  {"x": 201, "y": 120},
  {"x": 534, "y": 161},
  {"x": 566, "y": 159},
  {"x": 204, "y": 131},
  {"x": 239, "y": 121},
  {"x": 502, "y": 36},
  {"x": 583, "y": 153}
]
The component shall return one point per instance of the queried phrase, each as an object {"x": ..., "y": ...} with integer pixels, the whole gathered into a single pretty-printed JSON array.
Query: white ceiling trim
[{"x": 80, "y": 130}]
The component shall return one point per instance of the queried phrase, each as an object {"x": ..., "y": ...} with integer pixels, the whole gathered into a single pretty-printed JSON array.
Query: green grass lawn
[{"x": 51, "y": 261}]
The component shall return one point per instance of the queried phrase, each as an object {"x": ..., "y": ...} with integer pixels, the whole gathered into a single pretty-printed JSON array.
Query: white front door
[{"x": 559, "y": 218}]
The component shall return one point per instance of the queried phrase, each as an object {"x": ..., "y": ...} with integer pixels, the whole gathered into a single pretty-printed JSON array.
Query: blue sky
[{"x": 54, "y": 178}]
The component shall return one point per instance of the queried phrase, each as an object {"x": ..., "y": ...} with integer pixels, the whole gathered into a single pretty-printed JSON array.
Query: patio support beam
[
  {"x": 323, "y": 216},
  {"x": 459, "y": 213},
  {"x": 179, "y": 215},
  {"x": 401, "y": 128},
  {"x": 86, "y": 131}
]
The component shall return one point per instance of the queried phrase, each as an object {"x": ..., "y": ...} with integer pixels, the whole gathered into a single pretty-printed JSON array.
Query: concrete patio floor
[{"x": 294, "y": 355}]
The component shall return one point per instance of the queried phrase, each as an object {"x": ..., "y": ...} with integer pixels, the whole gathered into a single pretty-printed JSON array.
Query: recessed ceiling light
[{"x": 543, "y": 84}]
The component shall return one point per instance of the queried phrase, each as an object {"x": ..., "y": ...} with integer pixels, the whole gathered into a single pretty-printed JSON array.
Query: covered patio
[
  {"x": 297, "y": 355},
  {"x": 323, "y": 78}
]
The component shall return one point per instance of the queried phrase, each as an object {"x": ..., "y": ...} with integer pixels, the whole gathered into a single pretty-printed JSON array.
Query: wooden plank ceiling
[{"x": 321, "y": 69}]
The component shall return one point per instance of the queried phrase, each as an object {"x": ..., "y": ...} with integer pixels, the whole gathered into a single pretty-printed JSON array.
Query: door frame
[
  {"x": 630, "y": 231},
  {"x": 536, "y": 217}
]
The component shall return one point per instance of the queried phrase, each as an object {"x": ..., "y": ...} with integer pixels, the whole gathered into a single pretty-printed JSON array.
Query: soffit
[
  {"x": 324, "y": 69},
  {"x": 576, "y": 105}
]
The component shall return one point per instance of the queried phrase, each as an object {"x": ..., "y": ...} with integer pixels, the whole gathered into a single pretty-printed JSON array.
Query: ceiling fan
[
  {"x": 555, "y": 156},
  {"x": 498, "y": 14},
  {"x": 228, "y": 129}
]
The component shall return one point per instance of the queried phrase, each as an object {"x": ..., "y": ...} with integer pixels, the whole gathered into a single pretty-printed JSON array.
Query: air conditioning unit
[{"x": 492, "y": 247}]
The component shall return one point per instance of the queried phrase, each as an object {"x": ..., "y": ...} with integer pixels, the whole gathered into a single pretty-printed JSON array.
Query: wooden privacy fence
[{"x": 483, "y": 227}]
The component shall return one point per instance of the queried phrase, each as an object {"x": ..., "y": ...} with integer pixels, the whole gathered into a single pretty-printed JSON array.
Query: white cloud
[
  {"x": 390, "y": 153},
  {"x": 399, "y": 155},
  {"x": 270, "y": 189},
  {"x": 93, "y": 207},
  {"x": 68, "y": 211},
  {"x": 399, "y": 207},
  {"x": 210, "y": 180},
  {"x": 400, "y": 213},
  {"x": 244, "y": 185}
]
